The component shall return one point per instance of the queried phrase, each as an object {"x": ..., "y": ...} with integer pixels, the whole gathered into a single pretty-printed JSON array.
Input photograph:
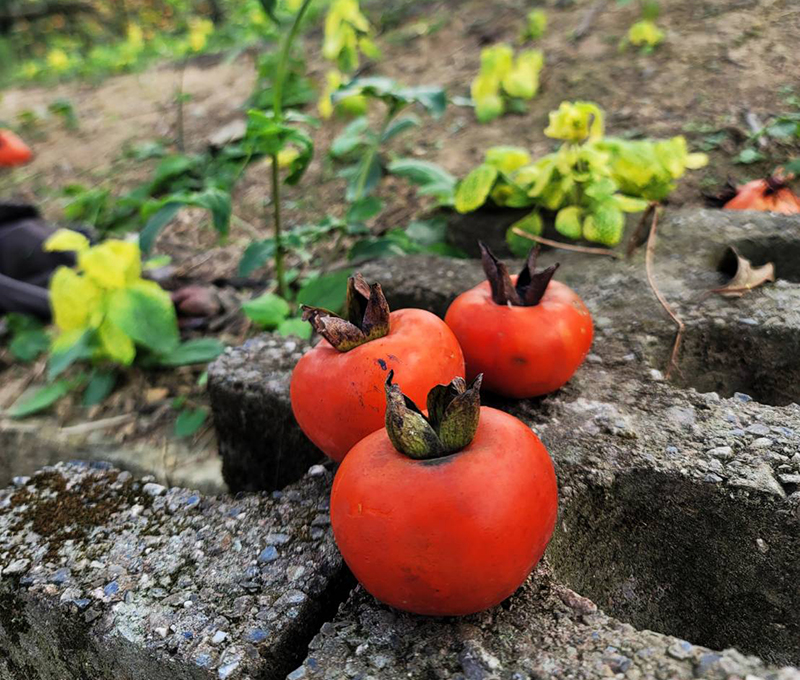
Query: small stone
[
  {"x": 297, "y": 674},
  {"x": 60, "y": 577},
  {"x": 219, "y": 637},
  {"x": 268, "y": 554},
  {"x": 257, "y": 635},
  {"x": 277, "y": 539},
  {"x": 741, "y": 396},
  {"x": 20, "y": 481},
  {"x": 789, "y": 479},
  {"x": 683, "y": 417},
  {"x": 316, "y": 470},
  {"x": 762, "y": 546},
  {"x": 294, "y": 573},
  {"x": 153, "y": 489},
  {"x": 758, "y": 429},
  {"x": 656, "y": 375},
  {"x": 111, "y": 589},
  {"x": 761, "y": 443},
  {"x": 594, "y": 359},
  {"x": 680, "y": 650},
  {"x": 155, "y": 395},
  {"x": 227, "y": 670},
  {"x": 16, "y": 567},
  {"x": 723, "y": 452},
  {"x": 618, "y": 663}
]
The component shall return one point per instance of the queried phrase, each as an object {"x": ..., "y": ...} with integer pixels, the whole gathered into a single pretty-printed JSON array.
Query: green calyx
[
  {"x": 367, "y": 316},
  {"x": 451, "y": 423},
  {"x": 530, "y": 287}
]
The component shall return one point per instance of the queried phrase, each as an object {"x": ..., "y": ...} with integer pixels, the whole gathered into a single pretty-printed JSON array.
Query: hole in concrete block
[
  {"x": 757, "y": 360},
  {"x": 782, "y": 252},
  {"x": 686, "y": 558}
]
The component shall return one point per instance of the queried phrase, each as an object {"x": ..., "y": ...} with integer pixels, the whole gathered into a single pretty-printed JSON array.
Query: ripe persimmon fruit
[
  {"x": 526, "y": 334},
  {"x": 337, "y": 388},
  {"x": 447, "y": 514},
  {"x": 13, "y": 151}
]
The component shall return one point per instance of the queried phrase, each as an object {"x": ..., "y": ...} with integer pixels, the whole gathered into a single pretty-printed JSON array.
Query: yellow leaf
[
  {"x": 64, "y": 341},
  {"x": 112, "y": 264},
  {"x": 73, "y": 298},
  {"x": 576, "y": 122},
  {"x": 507, "y": 158},
  {"x": 66, "y": 240},
  {"x": 522, "y": 80}
]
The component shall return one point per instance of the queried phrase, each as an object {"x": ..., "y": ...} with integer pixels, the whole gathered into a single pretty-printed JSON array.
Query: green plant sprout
[
  {"x": 535, "y": 25},
  {"x": 505, "y": 82},
  {"x": 588, "y": 184}
]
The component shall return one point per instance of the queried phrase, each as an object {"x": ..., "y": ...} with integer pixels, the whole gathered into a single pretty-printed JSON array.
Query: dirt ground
[{"x": 721, "y": 60}]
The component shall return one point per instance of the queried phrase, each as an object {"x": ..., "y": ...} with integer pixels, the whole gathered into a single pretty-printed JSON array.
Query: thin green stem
[
  {"x": 370, "y": 155},
  {"x": 277, "y": 112}
]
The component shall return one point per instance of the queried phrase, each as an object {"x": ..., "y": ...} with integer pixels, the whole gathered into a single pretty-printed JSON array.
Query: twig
[
  {"x": 756, "y": 128},
  {"x": 83, "y": 428},
  {"x": 566, "y": 246},
  {"x": 637, "y": 237},
  {"x": 648, "y": 262},
  {"x": 585, "y": 26}
]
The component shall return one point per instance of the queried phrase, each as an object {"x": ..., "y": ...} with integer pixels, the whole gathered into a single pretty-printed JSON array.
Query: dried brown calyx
[
  {"x": 530, "y": 286},
  {"x": 367, "y": 316},
  {"x": 452, "y": 420}
]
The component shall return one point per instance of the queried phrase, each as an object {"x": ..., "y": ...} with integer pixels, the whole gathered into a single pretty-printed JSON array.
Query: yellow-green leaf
[
  {"x": 507, "y": 158},
  {"x": 475, "y": 187},
  {"x": 73, "y": 298},
  {"x": 66, "y": 240},
  {"x": 115, "y": 344},
  {"x": 568, "y": 222},
  {"x": 112, "y": 264},
  {"x": 522, "y": 80}
]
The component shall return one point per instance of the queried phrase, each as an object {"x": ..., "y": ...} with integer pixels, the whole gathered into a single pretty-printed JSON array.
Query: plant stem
[
  {"x": 370, "y": 155},
  {"x": 566, "y": 246},
  {"x": 181, "y": 144},
  {"x": 277, "y": 112}
]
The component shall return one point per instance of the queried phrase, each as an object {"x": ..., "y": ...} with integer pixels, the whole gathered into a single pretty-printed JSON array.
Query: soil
[{"x": 721, "y": 60}]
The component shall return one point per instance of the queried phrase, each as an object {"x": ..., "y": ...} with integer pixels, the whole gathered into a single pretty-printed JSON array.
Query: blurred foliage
[{"x": 92, "y": 39}]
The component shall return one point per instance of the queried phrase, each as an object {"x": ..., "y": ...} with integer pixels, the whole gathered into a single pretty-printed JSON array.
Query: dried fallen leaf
[{"x": 746, "y": 277}]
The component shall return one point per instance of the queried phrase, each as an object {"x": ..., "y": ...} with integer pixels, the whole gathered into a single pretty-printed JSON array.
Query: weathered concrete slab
[
  {"x": 261, "y": 445},
  {"x": 28, "y": 445},
  {"x": 545, "y": 631},
  {"x": 107, "y": 577}
]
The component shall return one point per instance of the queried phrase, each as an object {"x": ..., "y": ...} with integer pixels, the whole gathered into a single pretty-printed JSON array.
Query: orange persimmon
[
  {"x": 527, "y": 335},
  {"x": 13, "y": 151},
  {"x": 447, "y": 514},
  {"x": 337, "y": 387}
]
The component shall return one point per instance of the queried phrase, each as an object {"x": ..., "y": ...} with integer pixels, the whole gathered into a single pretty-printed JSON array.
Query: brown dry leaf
[{"x": 747, "y": 277}]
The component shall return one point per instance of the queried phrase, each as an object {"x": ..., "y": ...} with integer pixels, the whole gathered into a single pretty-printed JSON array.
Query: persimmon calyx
[
  {"x": 451, "y": 423},
  {"x": 367, "y": 316},
  {"x": 530, "y": 287}
]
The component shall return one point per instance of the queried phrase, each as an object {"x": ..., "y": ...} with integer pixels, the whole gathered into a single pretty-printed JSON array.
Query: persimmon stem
[
  {"x": 648, "y": 261},
  {"x": 566, "y": 246}
]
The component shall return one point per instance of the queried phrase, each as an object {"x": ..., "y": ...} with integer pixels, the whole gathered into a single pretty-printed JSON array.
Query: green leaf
[
  {"x": 363, "y": 177},
  {"x": 218, "y": 203},
  {"x": 189, "y": 421},
  {"x": 296, "y": 326},
  {"x": 605, "y": 225},
  {"x": 101, "y": 383},
  {"x": 170, "y": 169},
  {"x": 519, "y": 245},
  {"x": 40, "y": 398},
  {"x": 351, "y": 138},
  {"x": 399, "y": 125},
  {"x": 427, "y": 232},
  {"x": 197, "y": 351},
  {"x": 793, "y": 167},
  {"x": 58, "y": 362},
  {"x": 327, "y": 291},
  {"x": 155, "y": 224},
  {"x": 267, "y": 310},
  {"x": 255, "y": 255},
  {"x": 432, "y": 179},
  {"x": 475, "y": 187},
  {"x": 146, "y": 314},
  {"x": 270, "y": 9},
  {"x": 377, "y": 248},
  {"x": 432, "y": 98},
  {"x": 748, "y": 156},
  {"x": 364, "y": 209},
  {"x": 29, "y": 338}
]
